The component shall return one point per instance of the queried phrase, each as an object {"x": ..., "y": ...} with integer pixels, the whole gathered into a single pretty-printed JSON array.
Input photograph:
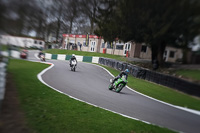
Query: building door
[
  {"x": 165, "y": 55},
  {"x": 127, "y": 48},
  {"x": 93, "y": 43}
]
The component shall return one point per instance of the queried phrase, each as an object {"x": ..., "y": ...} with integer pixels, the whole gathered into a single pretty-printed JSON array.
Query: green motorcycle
[{"x": 118, "y": 85}]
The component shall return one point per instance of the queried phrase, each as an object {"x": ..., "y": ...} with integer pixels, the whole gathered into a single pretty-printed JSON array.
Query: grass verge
[
  {"x": 160, "y": 92},
  {"x": 193, "y": 74},
  {"x": 49, "y": 111},
  {"x": 3, "y": 47}
]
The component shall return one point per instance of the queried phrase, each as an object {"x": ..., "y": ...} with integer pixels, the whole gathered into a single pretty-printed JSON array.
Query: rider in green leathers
[{"x": 125, "y": 73}]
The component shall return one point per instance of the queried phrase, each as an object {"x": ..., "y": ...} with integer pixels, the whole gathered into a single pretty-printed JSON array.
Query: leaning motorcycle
[
  {"x": 42, "y": 57},
  {"x": 118, "y": 85},
  {"x": 73, "y": 65}
]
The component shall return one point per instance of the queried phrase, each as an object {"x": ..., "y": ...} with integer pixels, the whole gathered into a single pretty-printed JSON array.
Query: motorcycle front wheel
[
  {"x": 119, "y": 87},
  {"x": 110, "y": 87}
]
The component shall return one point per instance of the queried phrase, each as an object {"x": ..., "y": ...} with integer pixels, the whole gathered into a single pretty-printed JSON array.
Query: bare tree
[
  {"x": 71, "y": 13},
  {"x": 90, "y": 8}
]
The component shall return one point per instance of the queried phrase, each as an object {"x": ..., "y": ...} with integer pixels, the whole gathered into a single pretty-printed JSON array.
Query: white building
[{"x": 21, "y": 41}]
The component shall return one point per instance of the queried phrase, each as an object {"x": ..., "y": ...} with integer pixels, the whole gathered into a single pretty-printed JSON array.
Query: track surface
[{"x": 90, "y": 84}]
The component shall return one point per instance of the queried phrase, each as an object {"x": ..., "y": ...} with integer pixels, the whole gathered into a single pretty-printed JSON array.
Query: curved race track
[{"x": 90, "y": 84}]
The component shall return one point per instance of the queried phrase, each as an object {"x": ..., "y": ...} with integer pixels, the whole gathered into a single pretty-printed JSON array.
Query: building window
[
  {"x": 171, "y": 54},
  {"x": 40, "y": 43},
  {"x": 144, "y": 48},
  {"x": 120, "y": 47},
  {"x": 109, "y": 45},
  {"x": 103, "y": 45},
  {"x": 35, "y": 42},
  {"x": 165, "y": 55}
]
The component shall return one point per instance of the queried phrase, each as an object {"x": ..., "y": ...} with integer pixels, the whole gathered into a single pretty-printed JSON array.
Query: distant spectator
[{"x": 80, "y": 46}]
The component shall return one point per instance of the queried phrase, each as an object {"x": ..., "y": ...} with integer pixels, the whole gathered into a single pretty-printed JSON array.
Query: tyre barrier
[{"x": 162, "y": 79}]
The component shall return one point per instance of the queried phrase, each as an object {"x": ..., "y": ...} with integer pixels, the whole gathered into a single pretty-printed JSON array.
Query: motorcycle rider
[
  {"x": 71, "y": 59},
  {"x": 123, "y": 73},
  {"x": 40, "y": 53}
]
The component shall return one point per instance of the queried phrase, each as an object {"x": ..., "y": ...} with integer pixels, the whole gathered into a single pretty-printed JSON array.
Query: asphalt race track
[{"x": 90, "y": 84}]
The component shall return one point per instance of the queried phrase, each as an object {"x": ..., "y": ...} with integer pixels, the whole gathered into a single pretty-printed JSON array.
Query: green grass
[
  {"x": 193, "y": 74},
  {"x": 83, "y": 53},
  {"x": 3, "y": 47},
  {"x": 49, "y": 111},
  {"x": 160, "y": 92}
]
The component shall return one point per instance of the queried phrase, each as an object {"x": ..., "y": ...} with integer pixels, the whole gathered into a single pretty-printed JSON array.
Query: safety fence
[{"x": 166, "y": 80}]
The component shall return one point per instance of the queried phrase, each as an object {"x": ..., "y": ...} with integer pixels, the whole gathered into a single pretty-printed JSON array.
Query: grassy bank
[
  {"x": 49, "y": 111},
  {"x": 160, "y": 92},
  {"x": 3, "y": 47},
  {"x": 193, "y": 74}
]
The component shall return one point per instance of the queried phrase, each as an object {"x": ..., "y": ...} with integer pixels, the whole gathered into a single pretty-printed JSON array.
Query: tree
[
  {"x": 72, "y": 13},
  {"x": 107, "y": 21},
  {"x": 157, "y": 23},
  {"x": 2, "y": 11},
  {"x": 90, "y": 8}
]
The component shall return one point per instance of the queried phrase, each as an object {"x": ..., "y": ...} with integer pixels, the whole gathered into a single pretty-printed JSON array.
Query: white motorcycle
[
  {"x": 73, "y": 65},
  {"x": 42, "y": 57}
]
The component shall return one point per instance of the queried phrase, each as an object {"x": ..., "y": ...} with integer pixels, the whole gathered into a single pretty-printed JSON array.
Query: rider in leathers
[
  {"x": 121, "y": 74},
  {"x": 72, "y": 58}
]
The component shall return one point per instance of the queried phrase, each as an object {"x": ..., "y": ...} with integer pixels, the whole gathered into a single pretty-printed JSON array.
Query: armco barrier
[{"x": 166, "y": 80}]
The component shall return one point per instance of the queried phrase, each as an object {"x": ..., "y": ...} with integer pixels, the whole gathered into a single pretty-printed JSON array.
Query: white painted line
[
  {"x": 36, "y": 56},
  {"x": 175, "y": 106},
  {"x": 39, "y": 76}
]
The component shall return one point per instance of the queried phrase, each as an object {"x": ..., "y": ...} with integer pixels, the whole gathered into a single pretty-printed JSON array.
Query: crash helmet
[
  {"x": 73, "y": 55},
  {"x": 126, "y": 71}
]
